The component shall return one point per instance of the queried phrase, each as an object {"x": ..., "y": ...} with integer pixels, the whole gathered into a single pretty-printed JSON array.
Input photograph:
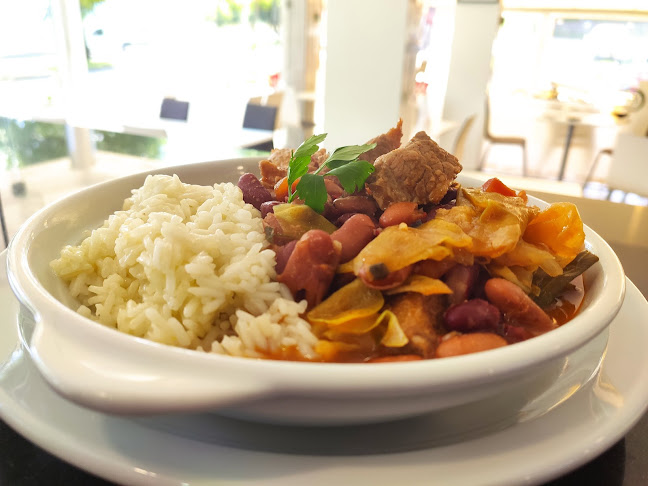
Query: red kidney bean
[
  {"x": 401, "y": 212},
  {"x": 475, "y": 342},
  {"x": 433, "y": 268},
  {"x": 346, "y": 216},
  {"x": 461, "y": 279},
  {"x": 515, "y": 334},
  {"x": 329, "y": 211},
  {"x": 353, "y": 235},
  {"x": 355, "y": 204},
  {"x": 340, "y": 280},
  {"x": 283, "y": 253},
  {"x": 311, "y": 267},
  {"x": 517, "y": 306},
  {"x": 253, "y": 191},
  {"x": 333, "y": 188},
  {"x": 472, "y": 315},
  {"x": 268, "y": 207},
  {"x": 274, "y": 231}
]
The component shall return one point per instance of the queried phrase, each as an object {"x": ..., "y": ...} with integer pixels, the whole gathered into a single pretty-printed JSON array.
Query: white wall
[
  {"x": 476, "y": 25},
  {"x": 437, "y": 53},
  {"x": 365, "y": 52}
]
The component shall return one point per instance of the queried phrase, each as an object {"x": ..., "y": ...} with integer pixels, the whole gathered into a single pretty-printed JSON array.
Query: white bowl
[{"x": 110, "y": 371}]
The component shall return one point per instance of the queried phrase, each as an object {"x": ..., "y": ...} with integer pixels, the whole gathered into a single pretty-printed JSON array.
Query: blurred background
[{"x": 549, "y": 93}]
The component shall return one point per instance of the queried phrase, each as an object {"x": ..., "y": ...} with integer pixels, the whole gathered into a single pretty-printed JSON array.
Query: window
[
  {"x": 580, "y": 56},
  {"x": 28, "y": 57},
  {"x": 216, "y": 54}
]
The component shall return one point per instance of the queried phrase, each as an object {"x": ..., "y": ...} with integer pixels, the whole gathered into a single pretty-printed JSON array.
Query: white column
[
  {"x": 476, "y": 25},
  {"x": 73, "y": 69},
  {"x": 365, "y": 54},
  {"x": 300, "y": 26}
]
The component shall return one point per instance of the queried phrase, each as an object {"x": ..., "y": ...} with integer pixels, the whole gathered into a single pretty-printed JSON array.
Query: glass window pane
[
  {"x": 215, "y": 54},
  {"x": 28, "y": 58},
  {"x": 30, "y": 142},
  {"x": 130, "y": 144}
]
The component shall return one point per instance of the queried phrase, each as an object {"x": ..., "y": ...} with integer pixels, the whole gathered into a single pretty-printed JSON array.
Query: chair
[
  {"x": 492, "y": 139},
  {"x": 173, "y": 109},
  {"x": 608, "y": 152},
  {"x": 459, "y": 144},
  {"x": 628, "y": 169},
  {"x": 275, "y": 99},
  {"x": 260, "y": 117}
]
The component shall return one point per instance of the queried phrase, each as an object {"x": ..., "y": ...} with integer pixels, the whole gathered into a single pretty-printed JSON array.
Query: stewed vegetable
[{"x": 398, "y": 261}]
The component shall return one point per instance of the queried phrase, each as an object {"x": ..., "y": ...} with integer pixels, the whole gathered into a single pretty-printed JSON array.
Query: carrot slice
[
  {"x": 281, "y": 188},
  {"x": 495, "y": 185}
]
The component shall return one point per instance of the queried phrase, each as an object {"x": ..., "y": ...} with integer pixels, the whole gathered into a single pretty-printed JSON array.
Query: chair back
[
  {"x": 262, "y": 117},
  {"x": 628, "y": 170},
  {"x": 173, "y": 109},
  {"x": 487, "y": 115},
  {"x": 462, "y": 135}
]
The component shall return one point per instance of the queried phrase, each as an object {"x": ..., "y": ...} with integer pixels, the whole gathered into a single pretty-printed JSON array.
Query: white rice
[{"x": 188, "y": 266}]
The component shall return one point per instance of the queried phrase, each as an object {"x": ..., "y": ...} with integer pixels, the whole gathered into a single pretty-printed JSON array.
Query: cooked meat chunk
[
  {"x": 384, "y": 143},
  {"x": 270, "y": 174},
  {"x": 420, "y": 171},
  {"x": 418, "y": 316},
  {"x": 317, "y": 159},
  {"x": 275, "y": 167}
]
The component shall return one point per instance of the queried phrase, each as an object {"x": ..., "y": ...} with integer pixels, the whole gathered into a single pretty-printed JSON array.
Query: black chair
[
  {"x": 260, "y": 117},
  {"x": 173, "y": 109}
]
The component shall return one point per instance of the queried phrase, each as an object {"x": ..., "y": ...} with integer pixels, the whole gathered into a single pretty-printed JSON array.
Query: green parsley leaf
[
  {"x": 353, "y": 174},
  {"x": 297, "y": 168},
  {"x": 312, "y": 190},
  {"x": 343, "y": 163},
  {"x": 346, "y": 154},
  {"x": 310, "y": 146},
  {"x": 300, "y": 159}
]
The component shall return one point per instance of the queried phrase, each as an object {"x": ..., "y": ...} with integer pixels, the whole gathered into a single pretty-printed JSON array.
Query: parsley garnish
[{"x": 343, "y": 163}]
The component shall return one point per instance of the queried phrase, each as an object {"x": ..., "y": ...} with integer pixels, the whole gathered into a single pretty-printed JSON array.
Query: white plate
[{"x": 558, "y": 433}]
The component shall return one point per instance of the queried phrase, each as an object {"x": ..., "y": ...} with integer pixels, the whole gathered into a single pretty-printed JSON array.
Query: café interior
[{"x": 549, "y": 96}]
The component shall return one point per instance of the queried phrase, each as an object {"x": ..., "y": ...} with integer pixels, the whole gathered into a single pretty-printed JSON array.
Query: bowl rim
[{"x": 305, "y": 377}]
